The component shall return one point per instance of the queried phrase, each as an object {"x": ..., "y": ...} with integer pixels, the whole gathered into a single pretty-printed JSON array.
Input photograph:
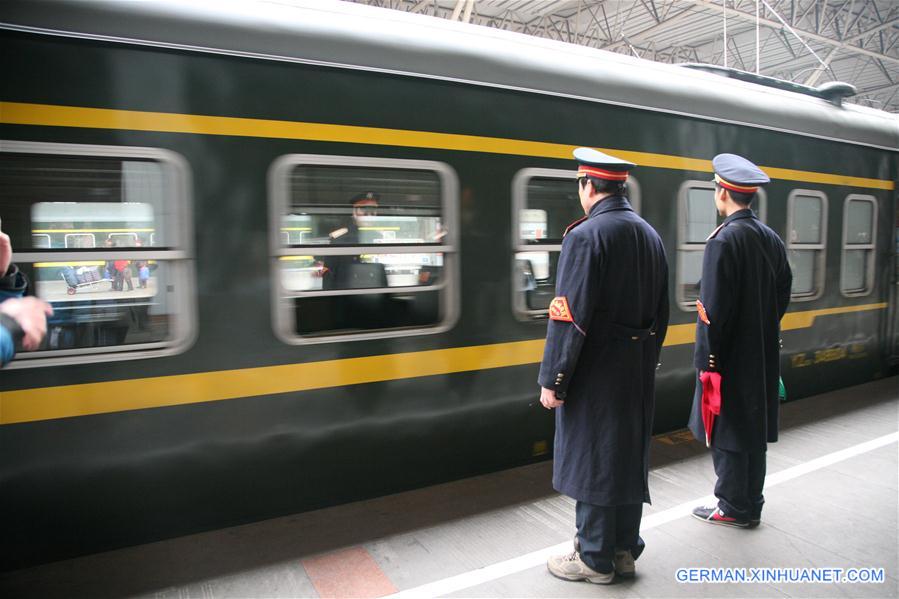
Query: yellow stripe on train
[
  {"x": 18, "y": 113},
  {"x": 29, "y": 405}
]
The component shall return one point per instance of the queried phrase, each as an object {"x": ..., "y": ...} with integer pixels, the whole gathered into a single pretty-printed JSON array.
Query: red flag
[{"x": 711, "y": 402}]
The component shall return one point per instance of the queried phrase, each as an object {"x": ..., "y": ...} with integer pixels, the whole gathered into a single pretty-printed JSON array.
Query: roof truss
[{"x": 806, "y": 41}]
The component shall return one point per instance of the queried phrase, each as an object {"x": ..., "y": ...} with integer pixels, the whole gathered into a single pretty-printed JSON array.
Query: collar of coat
[
  {"x": 606, "y": 204},
  {"x": 744, "y": 213},
  {"x": 609, "y": 203}
]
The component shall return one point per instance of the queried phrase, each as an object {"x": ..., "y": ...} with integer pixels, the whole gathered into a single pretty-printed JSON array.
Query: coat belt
[{"x": 619, "y": 331}]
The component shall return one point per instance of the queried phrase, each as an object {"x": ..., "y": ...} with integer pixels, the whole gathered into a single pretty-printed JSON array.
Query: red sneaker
[{"x": 713, "y": 515}]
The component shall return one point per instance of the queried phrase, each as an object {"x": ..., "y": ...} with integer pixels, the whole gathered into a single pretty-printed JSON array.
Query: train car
[{"x": 247, "y": 380}]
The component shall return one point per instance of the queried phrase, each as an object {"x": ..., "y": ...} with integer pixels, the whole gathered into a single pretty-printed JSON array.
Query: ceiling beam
[{"x": 845, "y": 44}]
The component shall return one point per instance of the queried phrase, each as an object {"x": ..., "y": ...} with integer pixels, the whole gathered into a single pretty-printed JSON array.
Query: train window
[
  {"x": 859, "y": 245},
  {"x": 79, "y": 240},
  {"x": 807, "y": 242},
  {"x": 697, "y": 219},
  {"x": 81, "y": 220},
  {"x": 363, "y": 247},
  {"x": 544, "y": 203}
]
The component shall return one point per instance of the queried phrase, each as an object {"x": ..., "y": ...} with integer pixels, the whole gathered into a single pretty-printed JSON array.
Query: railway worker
[
  {"x": 606, "y": 328},
  {"x": 744, "y": 292},
  {"x": 364, "y": 205}
]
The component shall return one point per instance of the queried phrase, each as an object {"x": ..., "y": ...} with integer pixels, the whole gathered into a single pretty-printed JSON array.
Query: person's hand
[
  {"x": 548, "y": 398},
  {"x": 5, "y": 253},
  {"x": 31, "y": 314}
]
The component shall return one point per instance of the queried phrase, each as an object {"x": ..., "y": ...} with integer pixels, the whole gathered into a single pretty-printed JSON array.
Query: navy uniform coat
[
  {"x": 745, "y": 290},
  {"x": 614, "y": 275}
]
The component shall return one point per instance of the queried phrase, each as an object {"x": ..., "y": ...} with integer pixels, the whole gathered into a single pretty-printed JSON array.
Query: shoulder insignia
[
  {"x": 573, "y": 225},
  {"x": 338, "y": 232},
  {"x": 558, "y": 309},
  {"x": 715, "y": 232},
  {"x": 703, "y": 316}
]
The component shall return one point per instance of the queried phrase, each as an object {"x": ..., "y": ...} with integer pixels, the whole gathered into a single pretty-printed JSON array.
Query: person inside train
[
  {"x": 338, "y": 271},
  {"x": 364, "y": 205}
]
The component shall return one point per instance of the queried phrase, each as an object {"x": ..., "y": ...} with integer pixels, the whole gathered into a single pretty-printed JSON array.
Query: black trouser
[
  {"x": 741, "y": 478},
  {"x": 601, "y": 529}
]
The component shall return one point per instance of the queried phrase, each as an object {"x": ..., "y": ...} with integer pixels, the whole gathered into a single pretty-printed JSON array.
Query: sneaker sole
[
  {"x": 579, "y": 578},
  {"x": 722, "y": 522}
]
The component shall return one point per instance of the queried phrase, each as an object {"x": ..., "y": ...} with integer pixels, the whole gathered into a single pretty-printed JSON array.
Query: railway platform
[{"x": 832, "y": 501}]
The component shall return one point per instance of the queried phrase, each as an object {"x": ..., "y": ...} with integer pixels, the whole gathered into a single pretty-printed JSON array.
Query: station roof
[{"x": 809, "y": 42}]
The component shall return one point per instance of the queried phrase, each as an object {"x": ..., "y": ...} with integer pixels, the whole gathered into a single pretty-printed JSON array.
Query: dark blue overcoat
[
  {"x": 613, "y": 274},
  {"x": 745, "y": 290}
]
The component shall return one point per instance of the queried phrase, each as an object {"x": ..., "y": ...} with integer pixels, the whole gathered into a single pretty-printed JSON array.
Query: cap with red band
[
  {"x": 735, "y": 173},
  {"x": 369, "y": 198},
  {"x": 593, "y": 163},
  {"x": 600, "y": 173}
]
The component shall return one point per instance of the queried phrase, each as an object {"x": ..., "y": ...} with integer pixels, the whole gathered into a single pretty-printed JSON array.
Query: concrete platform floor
[{"x": 832, "y": 501}]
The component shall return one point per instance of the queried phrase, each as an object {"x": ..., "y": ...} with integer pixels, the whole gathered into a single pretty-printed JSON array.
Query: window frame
[
  {"x": 760, "y": 207},
  {"x": 75, "y": 236},
  {"x": 820, "y": 262},
  {"x": 869, "y": 247},
  {"x": 179, "y": 202},
  {"x": 47, "y": 235},
  {"x": 283, "y": 319},
  {"x": 519, "y": 202}
]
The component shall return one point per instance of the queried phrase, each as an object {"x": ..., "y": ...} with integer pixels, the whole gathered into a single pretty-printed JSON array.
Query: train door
[
  {"x": 893, "y": 325},
  {"x": 893, "y": 310}
]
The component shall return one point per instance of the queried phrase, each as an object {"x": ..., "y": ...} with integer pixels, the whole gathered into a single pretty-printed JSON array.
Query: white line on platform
[{"x": 472, "y": 578}]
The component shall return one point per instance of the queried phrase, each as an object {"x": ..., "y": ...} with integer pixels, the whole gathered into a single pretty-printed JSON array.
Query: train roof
[{"x": 349, "y": 35}]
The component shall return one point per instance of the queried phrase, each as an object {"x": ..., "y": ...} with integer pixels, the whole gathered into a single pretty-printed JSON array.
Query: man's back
[
  {"x": 746, "y": 286},
  {"x": 614, "y": 273},
  {"x": 634, "y": 270}
]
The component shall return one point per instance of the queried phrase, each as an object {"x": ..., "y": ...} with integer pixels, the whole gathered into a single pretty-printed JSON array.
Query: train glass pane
[
  {"x": 92, "y": 224},
  {"x": 535, "y": 279},
  {"x": 84, "y": 227},
  {"x": 551, "y": 205},
  {"x": 100, "y": 303},
  {"x": 83, "y": 201},
  {"x": 545, "y": 202},
  {"x": 806, "y": 220},
  {"x": 368, "y": 312},
  {"x": 404, "y": 205},
  {"x": 802, "y": 262},
  {"x": 689, "y": 272},
  {"x": 79, "y": 240},
  {"x": 697, "y": 219},
  {"x": 702, "y": 216},
  {"x": 859, "y": 222},
  {"x": 806, "y": 242},
  {"x": 859, "y": 245},
  {"x": 360, "y": 271},
  {"x": 351, "y": 237},
  {"x": 852, "y": 275}
]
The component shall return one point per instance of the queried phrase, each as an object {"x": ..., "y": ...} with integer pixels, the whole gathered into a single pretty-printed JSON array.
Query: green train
[{"x": 241, "y": 378}]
